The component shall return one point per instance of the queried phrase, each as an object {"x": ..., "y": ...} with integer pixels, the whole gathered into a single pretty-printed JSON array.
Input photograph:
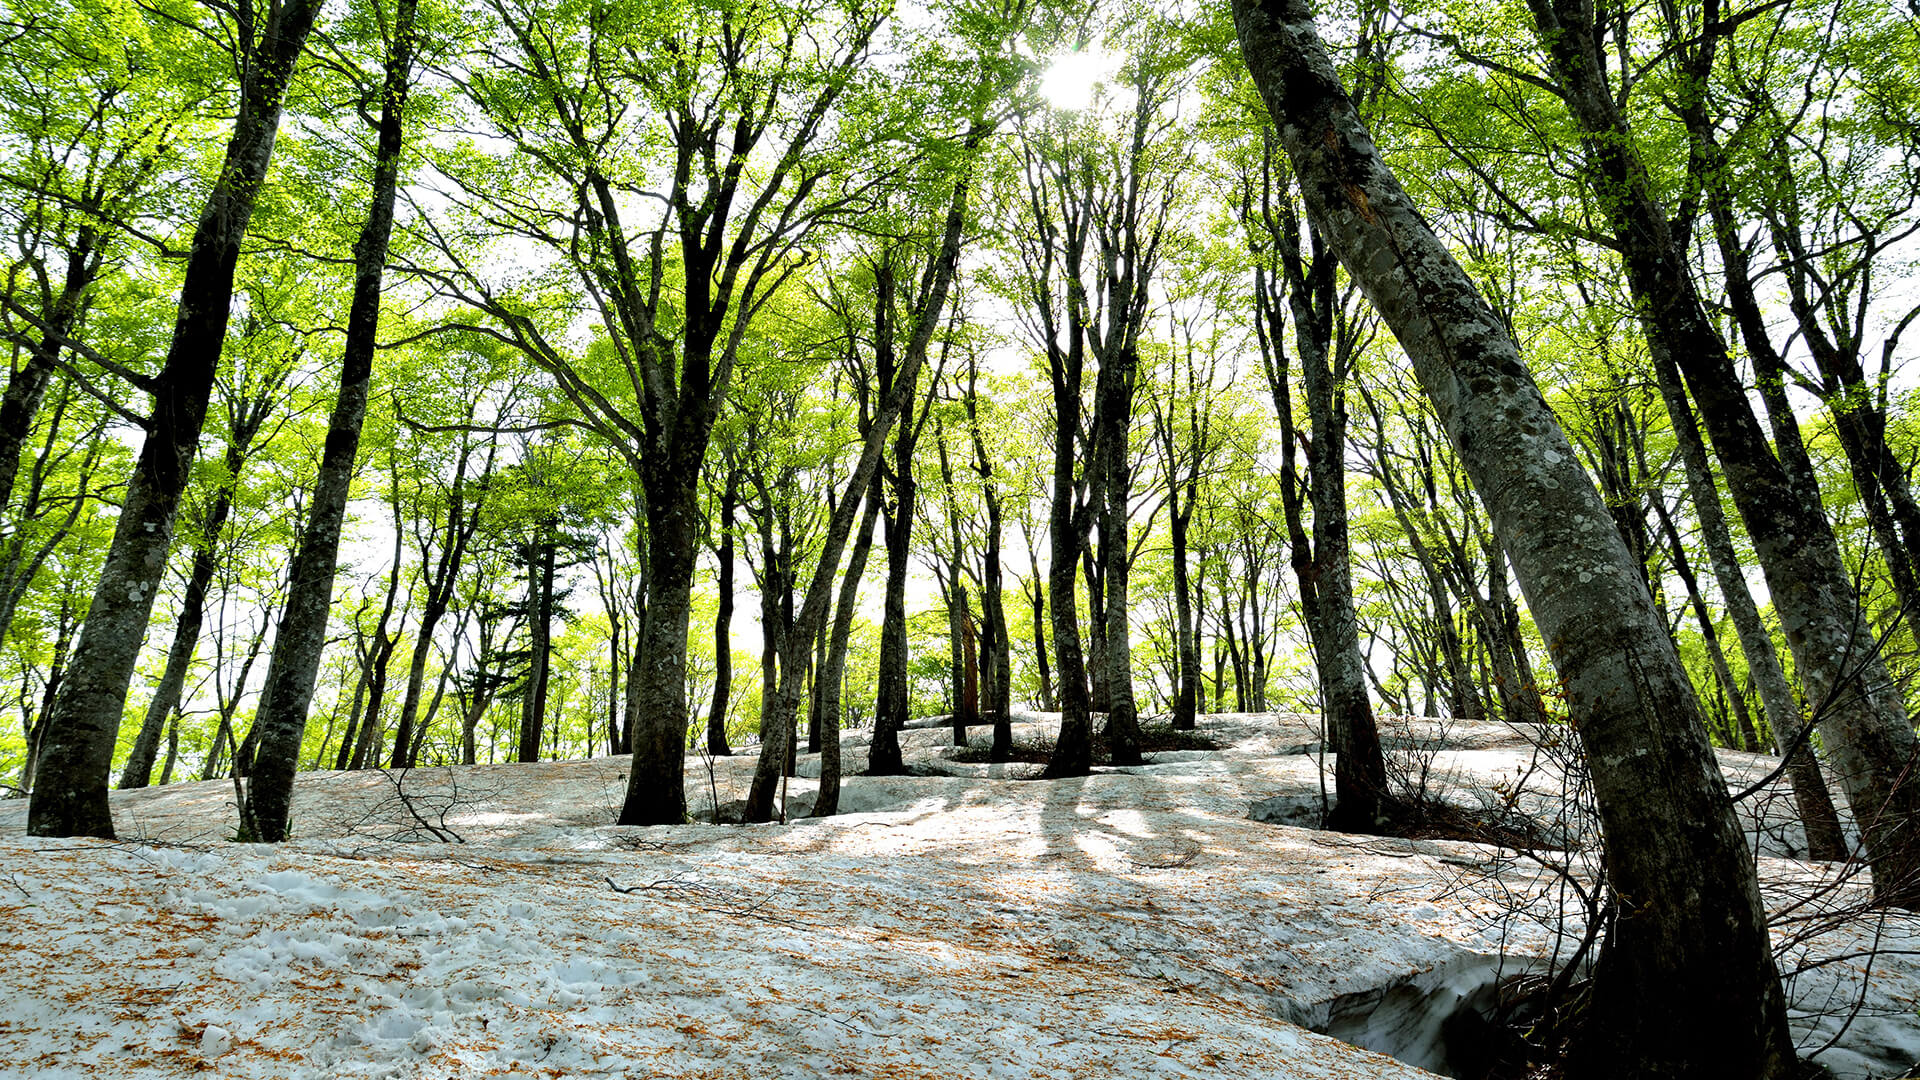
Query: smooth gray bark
[
  {"x": 1862, "y": 717},
  {"x": 294, "y": 665},
  {"x": 1686, "y": 985},
  {"x": 70, "y": 796}
]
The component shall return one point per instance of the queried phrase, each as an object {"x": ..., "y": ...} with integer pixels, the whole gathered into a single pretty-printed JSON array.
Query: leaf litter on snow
[{"x": 960, "y": 922}]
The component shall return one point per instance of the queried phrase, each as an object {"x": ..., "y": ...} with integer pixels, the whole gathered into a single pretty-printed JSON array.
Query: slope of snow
[{"x": 1131, "y": 923}]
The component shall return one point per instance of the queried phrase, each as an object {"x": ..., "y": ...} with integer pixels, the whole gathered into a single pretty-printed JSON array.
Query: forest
[{"x": 409, "y": 383}]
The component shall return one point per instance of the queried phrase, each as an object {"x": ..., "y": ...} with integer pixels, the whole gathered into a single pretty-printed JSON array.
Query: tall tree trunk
[
  {"x": 1186, "y": 693},
  {"x": 1322, "y": 564},
  {"x": 348, "y": 738},
  {"x": 186, "y": 635},
  {"x": 302, "y": 634},
  {"x": 996, "y": 643},
  {"x": 827, "y": 802},
  {"x": 440, "y": 580},
  {"x": 890, "y": 704},
  {"x": 723, "y": 626},
  {"x": 1686, "y": 985},
  {"x": 1037, "y": 598},
  {"x": 1709, "y": 631},
  {"x": 943, "y": 264},
  {"x": 656, "y": 681},
  {"x": 70, "y": 797},
  {"x": 366, "y": 749},
  {"x": 1811, "y": 796},
  {"x": 1113, "y": 420},
  {"x": 533, "y": 713},
  {"x": 1862, "y": 716}
]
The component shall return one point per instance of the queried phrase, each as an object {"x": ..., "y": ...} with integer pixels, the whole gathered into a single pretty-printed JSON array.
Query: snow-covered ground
[{"x": 959, "y": 923}]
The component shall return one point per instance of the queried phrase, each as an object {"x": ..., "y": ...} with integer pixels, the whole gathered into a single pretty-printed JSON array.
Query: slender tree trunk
[
  {"x": 533, "y": 715},
  {"x": 1322, "y": 564},
  {"x": 943, "y": 264},
  {"x": 77, "y": 757},
  {"x": 440, "y": 582},
  {"x": 1810, "y": 793},
  {"x": 27, "y": 386},
  {"x": 996, "y": 646},
  {"x": 1709, "y": 632},
  {"x": 966, "y": 671},
  {"x": 1686, "y": 985},
  {"x": 348, "y": 739},
  {"x": 302, "y": 634},
  {"x": 832, "y": 674},
  {"x": 186, "y": 636},
  {"x": 1037, "y": 598},
  {"x": 723, "y": 627},
  {"x": 815, "y": 706},
  {"x": 1186, "y": 694}
]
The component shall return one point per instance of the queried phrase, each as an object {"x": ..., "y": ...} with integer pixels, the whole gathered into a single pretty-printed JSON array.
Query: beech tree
[
  {"x": 1689, "y": 959},
  {"x": 70, "y": 797}
]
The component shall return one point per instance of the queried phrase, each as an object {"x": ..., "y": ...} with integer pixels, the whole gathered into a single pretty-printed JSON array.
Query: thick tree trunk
[
  {"x": 1687, "y": 985},
  {"x": 890, "y": 705},
  {"x": 1862, "y": 717},
  {"x": 1073, "y": 750},
  {"x": 656, "y": 681},
  {"x": 1113, "y": 420},
  {"x": 70, "y": 797},
  {"x": 302, "y": 634}
]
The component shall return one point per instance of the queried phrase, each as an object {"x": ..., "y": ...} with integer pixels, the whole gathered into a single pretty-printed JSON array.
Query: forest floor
[{"x": 960, "y": 922}]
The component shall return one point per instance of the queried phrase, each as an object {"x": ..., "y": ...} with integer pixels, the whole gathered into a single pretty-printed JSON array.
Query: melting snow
[{"x": 957, "y": 923}]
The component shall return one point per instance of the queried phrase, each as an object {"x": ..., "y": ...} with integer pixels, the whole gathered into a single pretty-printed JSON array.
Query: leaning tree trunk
[
  {"x": 1862, "y": 717},
  {"x": 833, "y": 672},
  {"x": 186, "y": 635},
  {"x": 943, "y": 265},
  {"x": 1686, "y": 985},
  {"x": 302, "y": 635},
  {"x": 27, "y": 386},
  {"x": 70, "y": 797}
]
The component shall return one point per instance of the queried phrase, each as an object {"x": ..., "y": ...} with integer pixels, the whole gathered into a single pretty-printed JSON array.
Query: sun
[{"x": 1073, "y": 79}]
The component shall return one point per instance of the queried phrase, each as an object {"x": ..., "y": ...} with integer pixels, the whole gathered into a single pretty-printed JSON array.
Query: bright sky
[{"x": 1072, "y": 80}]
